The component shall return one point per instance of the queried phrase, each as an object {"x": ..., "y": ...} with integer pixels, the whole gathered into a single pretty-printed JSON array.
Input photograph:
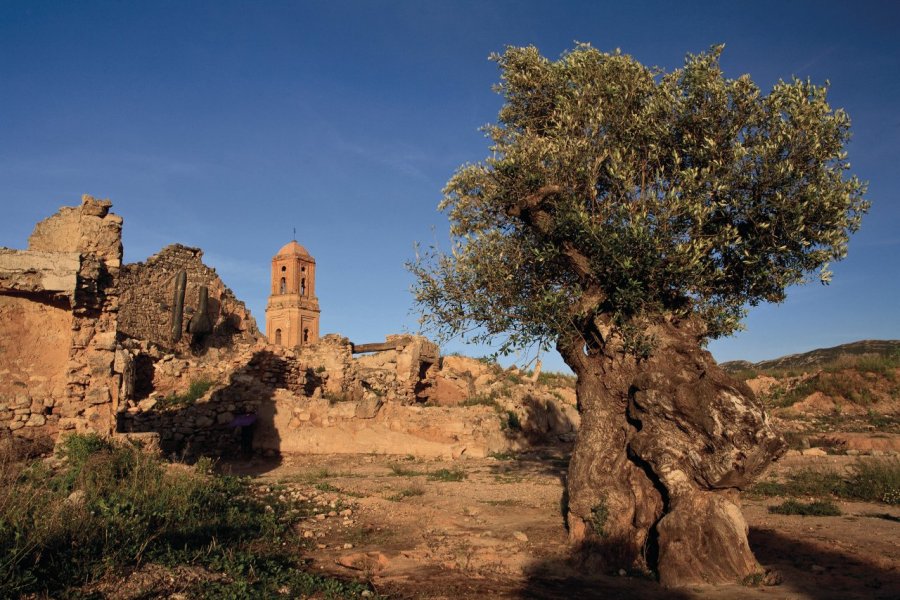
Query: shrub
[
  {"x": 876, "y": 481},
  {"x": 512, "y": 421}
]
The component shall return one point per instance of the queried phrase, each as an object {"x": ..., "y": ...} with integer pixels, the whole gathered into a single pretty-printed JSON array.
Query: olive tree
[{"x": 626, "y": 215}]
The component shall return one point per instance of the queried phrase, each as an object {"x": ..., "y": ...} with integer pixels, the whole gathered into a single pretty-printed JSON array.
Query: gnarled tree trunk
[{"x": 664, "y": 446}]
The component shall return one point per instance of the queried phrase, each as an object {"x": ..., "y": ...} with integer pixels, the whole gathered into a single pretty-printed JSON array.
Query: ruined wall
[
  {"x": 246, "y": 383},
  {"x": 404, "y": 373},
  {"x": 34, "y": 350},
  {"x": 147, "y": 290},
  {"x": 58, "y": 306},
  {"x": 297, "y": 424},
  {"x": 319, "y": 399}
]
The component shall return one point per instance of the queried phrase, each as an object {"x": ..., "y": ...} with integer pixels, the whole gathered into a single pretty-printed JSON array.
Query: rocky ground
[{"x": 493, "y": 528}]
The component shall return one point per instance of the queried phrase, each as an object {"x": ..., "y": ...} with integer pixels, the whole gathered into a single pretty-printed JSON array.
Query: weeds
[
  {"x": 327, "y": 487},
  {"x": 870, "y": 481},
  {"x": 112, "y": 508},
  {"x": 313, "y": 477},
  {"x": 401, "y": 471},
  {"x": 508, "y": 455},
  {"x": 509, "y": 420},
  {"x": 556, "y": 379},
  {"x": 876, "y": 480},
  {"x": 806, "y": 482},
  {"x": 817, "y": 508},
  {"x": 447, "y": 475},
  {"x": 408, "y": 492},
  {"x": 484, "y": 400},
  {"x": 195, "y": 391},
  {"x": 515, "y": 378}
]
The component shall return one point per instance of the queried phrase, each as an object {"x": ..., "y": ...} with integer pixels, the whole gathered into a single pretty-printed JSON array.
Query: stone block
[
  {"x": 39, "y": 272},
  {"x": 368, "y": 408},
  {"x": 36, "y": 420},
  {"x": 105, "y": 340},
  {"x": 101, "y": 363},
  {"x": 97, "y": 395}
]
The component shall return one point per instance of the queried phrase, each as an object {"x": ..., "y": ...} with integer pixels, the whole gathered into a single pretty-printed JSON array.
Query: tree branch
[{"x": 529, "y": 210}]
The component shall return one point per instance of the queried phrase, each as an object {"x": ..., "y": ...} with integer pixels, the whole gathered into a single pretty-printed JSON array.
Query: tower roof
[{"x": 292, "y": 248}]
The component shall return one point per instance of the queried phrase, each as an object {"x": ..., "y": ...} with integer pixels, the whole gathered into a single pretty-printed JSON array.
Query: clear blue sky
[{"x": 224, "y": 125}]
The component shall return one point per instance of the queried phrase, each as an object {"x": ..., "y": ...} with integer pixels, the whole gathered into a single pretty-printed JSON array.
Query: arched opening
[
  {"x": 303, "y": 286},
  {"x": 283, "y": 288},
  {"x": 305, "y": 335},
  {"x": 278, "y": 336}
]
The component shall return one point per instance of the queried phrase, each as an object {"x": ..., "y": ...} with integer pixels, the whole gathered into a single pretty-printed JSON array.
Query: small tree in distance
[{"x": 626, "y": 216}]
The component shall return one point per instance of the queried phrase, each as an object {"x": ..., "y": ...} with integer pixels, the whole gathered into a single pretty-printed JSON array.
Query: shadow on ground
[{"x": 822, "y": 573}]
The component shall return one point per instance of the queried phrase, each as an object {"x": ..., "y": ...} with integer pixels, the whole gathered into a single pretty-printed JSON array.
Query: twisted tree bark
[{"x": 665, "y": 444}]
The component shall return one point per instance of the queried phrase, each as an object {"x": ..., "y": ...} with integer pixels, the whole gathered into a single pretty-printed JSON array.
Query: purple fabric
[{"x": 243, "y": 421}]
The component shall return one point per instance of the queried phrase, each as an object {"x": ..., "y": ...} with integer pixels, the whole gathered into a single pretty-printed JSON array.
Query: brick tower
[{"x": 292, "y": 315}]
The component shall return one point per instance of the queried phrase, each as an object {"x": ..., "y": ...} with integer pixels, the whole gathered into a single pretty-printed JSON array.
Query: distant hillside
[{"x": 819, "y": 358}]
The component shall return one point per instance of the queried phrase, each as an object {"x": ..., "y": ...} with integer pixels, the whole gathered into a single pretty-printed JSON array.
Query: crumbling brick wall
[
  {"x": 58, "y": 306},
  {"x": 147, "y": 296}
]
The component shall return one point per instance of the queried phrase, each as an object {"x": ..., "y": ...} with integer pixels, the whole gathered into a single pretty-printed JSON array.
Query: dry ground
[{"x": 499, "y": 533}]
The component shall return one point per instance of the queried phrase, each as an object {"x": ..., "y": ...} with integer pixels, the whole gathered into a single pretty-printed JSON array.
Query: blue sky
[{"x": 224, "y": 125}]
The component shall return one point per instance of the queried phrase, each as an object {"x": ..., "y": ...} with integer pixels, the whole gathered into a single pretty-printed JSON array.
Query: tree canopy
[{"x": 615, "y": 190}]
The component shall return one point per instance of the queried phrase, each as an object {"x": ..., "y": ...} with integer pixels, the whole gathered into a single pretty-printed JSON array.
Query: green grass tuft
[
  {"x": 408, "y": 492},
  {"x": 447, "y": 475}
]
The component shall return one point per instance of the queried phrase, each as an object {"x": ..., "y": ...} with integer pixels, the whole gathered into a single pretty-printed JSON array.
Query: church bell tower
[{"x": 292, "y": 314}]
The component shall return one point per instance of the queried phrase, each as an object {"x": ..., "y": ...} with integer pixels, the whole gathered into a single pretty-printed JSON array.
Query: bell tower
[{"x": 292, "y": 314}]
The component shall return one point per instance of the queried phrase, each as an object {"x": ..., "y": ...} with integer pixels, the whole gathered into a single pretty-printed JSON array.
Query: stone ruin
[
  {"x": 87, "y": 344},
  {"x": 58, "y": 316}
]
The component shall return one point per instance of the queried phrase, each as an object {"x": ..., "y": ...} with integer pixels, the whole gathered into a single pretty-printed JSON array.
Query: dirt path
[{"x": 411, "y": 529}]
